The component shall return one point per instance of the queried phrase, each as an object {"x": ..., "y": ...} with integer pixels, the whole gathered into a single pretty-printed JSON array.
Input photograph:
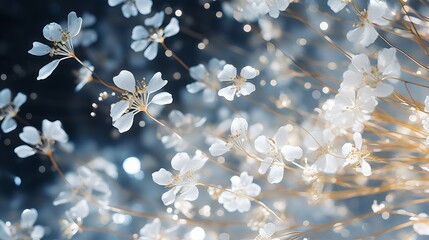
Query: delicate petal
[
  {"x": 156, "y": 83},
  {"x": 125, "y": 80},
  {"x": 155, "y": 21},
  {"x": 336, "y": 5},
  {"x": 30, "y": 135},
  {"x": 228, "y": 73},
  {"x": 151, "y": 52},
  {"x": 267, "y": 231},
  {"x": 54, "y": 131},
  {"x": 139, "y": 32},
  {"x": 80, "y": 210},
  {"x": 172, "y": 28},
  {"x": 239, "y": 126},
  {"x": 218, "y": 148},
  {"x": 281, "y": 136},
  {"x": 377, "y": 11},
  {"x": 8, "y": 124},
  {"x": 291, "y": 152},
  {"x": 276, "y": 174},
  {"x": 162, "y": 98},
  {"x": 39, "y": 49},
  {"x": 262, "y": 144},
  {"x": 74, "y": 24},
  {"x": 113, "y": 3},
  {"x": 179, "y": 160},
  {"x": 195, "y": 87},
  {"x": 253, "y": 189},
  {"x": 243, "y": 205},
  {"x": 357, "y": 137},
  {"x": 24, "y": 151},
  {"x": 129, "y": 10},
  {"x": 366, "y": 168},
  {"x": 162, "y": 177},
  {"x": 388, "y": 63},
  {"x": 247, "y": 88},
  {"x": 248, "y": 72},
  {"x": 5, "y": 97},
  {"x": 5, "y": 233},
  {"x": 38, "y": 232},
  {"x": 168, "y": 197},
  {"x": 19, "y": 100},
  {"x": 345, "y": 150},
  {"x": 139, "y": 45},
  {"x": 118, "y": 109},
  {"x": 28, "y": 218},
  {"x": 125, "y": 122},
  {"x": 198, "y": 72},
  {"x": 265, "y": 165},
  {"x": 47, "y": 70},
  {"x": 144, "y": 6},
  {"x": 227, "y": 92},
  {"x": 190, "y": 193},
  {"x": 383, "y": 90},
  {"x": 52, "y": 32},
  {"x": 361, "y": 62}
]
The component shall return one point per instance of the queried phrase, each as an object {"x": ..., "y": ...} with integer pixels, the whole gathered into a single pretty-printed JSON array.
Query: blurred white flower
[
  {"x": 355, "y": 155},
  {"x": 25, "y": 229},
  {"x": 371, "y": 79},
  {"x": 131, "y": 8},
  {"x": 365, "y": 33},
  {"x": 184, "y": 182},
  {"x": 242, "y": 187},
  {"x": 136, "y": 98},
  {"x": 337, "y": 5},
  {"x": 62, "y": 44},
  {"x": 239, "y": 86},
  {"x": 84, "y": 75},
  {"x": 206, "y": 79},
  {"x": 154, "y": 231},
  {"x": 148, "y": 38},
  {"x": 272, "y": 7},
  {"x": 42, "y": 143},
  {"x": 266, "y": 232},
  {"x": 86, "y": 36},
  {"x": 421, "y": 225},
  {"x": 9, "y": 109},
  {"x": 237, "y": 138}
]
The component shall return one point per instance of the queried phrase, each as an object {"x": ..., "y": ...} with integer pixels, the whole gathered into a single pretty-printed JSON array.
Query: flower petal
[
  {"x": 5, "y": 97},
  {"x": 190, "y": 193},
  {"x": 24, "y": 151},
  {"x": 53, "y": 32},
  {"x": 74, "y": 24},
  {"x": 227, "y": 92},
  {"x": 247, "y": 88},
  {"x": 118, "y": 109},
  {"x": 162, "y": 177},
  {"x": 276, "y": 174},
  {"x": 47, "y": 70},
  {"x": 139, "y": 45},
  {"x": 139, "y": 32},
  {"x": 291, "y": 152},
  {"x": 162, "y": 98},
  {"x": 168, "y": 197},
  {"x": 28, "y": 218},
  {"x": 151, "y": 52},
  {"x": 39, "y": 49},
  {"x": 125, "y": 122},
  {"x": 30, "y": 135},
  {"x": 125, "y": 80},
  {"x": 155, "y": 21},
  {"x": 19, "y": 99},
  {"x": 172, "y": 28},
  {"x": 156, "y": 83},
  {"x": 8, "y": 124},
  {"x": 228, "y": 73},
  {"x": 198, "y": 72},
  {"x": 144, "y": 6},
  {"x": 248, "y": 72},
  {"x": 218, "y": 148}
]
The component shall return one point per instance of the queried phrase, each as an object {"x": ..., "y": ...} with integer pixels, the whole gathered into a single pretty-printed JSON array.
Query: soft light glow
[
  {"x": 131, "y": 165},
  {"x": 197, "y": 234}
]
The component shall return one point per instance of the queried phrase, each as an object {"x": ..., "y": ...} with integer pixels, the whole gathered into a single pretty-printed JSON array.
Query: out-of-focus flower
[
  {"x": 355, "y": 155},
  {"x": 148, "y": 38},
  {"x": 131, "y": 8},
  {"x": 421, "y": 225},
  {"x": 239, "y": 86},
  {"x": 337, "y": 5},
  {"x": 136, "y": 98},
  {"x": 266, "y": 232},
  {"x": 361, "y": 75},
  {"x": 9, "y": 109},
  {"x": 272, "y": 7},
  {"x": 154, "y": 231},
  {"x": 365, "y": 33},
  {"x": 237, "y": 138},
  {"x": 42, "y": 143},
  {"x": 206, "y": 79},
  {"x": 62, "y": 44},
  {"x": 25, "y": 229},
  {"x": 242, "y": 187},
  {"x": 86, "y": 36},
  {"x": 84, "y": 75},
  {"x": 184, "y": 182}
]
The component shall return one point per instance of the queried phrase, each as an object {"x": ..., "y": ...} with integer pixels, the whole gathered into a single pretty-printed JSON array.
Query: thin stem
[{"x": 175, "y": 56}]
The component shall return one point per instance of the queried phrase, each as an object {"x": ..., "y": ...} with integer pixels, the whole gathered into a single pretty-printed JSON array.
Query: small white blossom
[
  {"x": 371, "y": 79},
  {"x": 337, "y": 5},
  {"x": 86, "y": 36},
  {"x": 355, "y": 155},
  {"x": 9, "y": 109},
  {"x": 266, "y": 232},
  {"x": 206, "y": 79},
  {"x": 276, "y": 153},
  {"x": 421, "y": 225},
  {"x": 42, "y": 143},
  {"x": 365, "y": 33},
  {"x": 239, "y": 86},
  {"x": 184, "y": 182},
  {"x": 25, "y": 229},
  {"x": 131, "y": 8},
  {"x": 136, "y": 98},
  {"x": 237, "y": 138},
  {"x": 242, "y": 187},
  {"x": 62, "y": 44},
  {"x": 272, "y": 7},
  {"x": 148, "y": 38},
  {"x": 84, "y": 75}
]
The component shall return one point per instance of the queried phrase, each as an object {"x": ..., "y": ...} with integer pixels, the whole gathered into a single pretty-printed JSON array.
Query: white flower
[
  {"x": 70, "y": 226},
  {"x": 25, "y": 229},
  {"x": 365, "y": 33},
  {"x": 86, "y": 36},
  {"x": 84, "y": 75},
  {"x": 206, "y": 79},
  {"x": 184, "y": 182},
  {"x": 421, "y": 225},
  {"x": 242, "y": 187},
  {"x": 351, "y": 110},
  {"x": 9, "y": 109},
  {"x": 355, "y": 156},
  {"x": 337, "y": 5},
  {"x": 276, "y": 153},
  {"x": 131, "y": 8},
  {"x": 239, "y": 84},
  {"x": 62, "y": 44},
  {"x": 266, "y": 232},
  {"x": 149, "y": 38},
  {"x": 154, "y": 231},
  {"x": 371, "y": 79},
  {"x": 237, "y": 138},
  {"x": 273, "y": 7},
  {"x": 136, "y": 98},
  {"x": 42, "y": 143}
]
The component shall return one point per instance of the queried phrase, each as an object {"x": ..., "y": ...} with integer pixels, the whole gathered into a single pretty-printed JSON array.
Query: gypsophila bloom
[
  {"x": 337, "y": 5},
  {"x": 365, "y": 33},
  {"x": 266, "y": 232},
  {"x": 23, "y": 230},
  {"x": 237, "y": 138},
  {"x": 183, "y": 182},
  {"x": 148, "y": 38},
  {"x": 86, "y": 36},
  {"x": 371, "y": 79},
  {"x": 62, "y": 44},
  {"x": 421, "y": 225},
  {"x": 206, "y": 79},
  {"x": 42, "y": 143},
  {"x": 9, "y": 109},
  {"x": 136, "y": 98},
  {"x": 242, "y": 187},
  {"x": 355, "y": 155},
  {"x": 131, "y": 8},
  {"x": 239, "y": 86},
  {"x": 276, "y": 153},
  {"x": 84, "y": 75}
]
